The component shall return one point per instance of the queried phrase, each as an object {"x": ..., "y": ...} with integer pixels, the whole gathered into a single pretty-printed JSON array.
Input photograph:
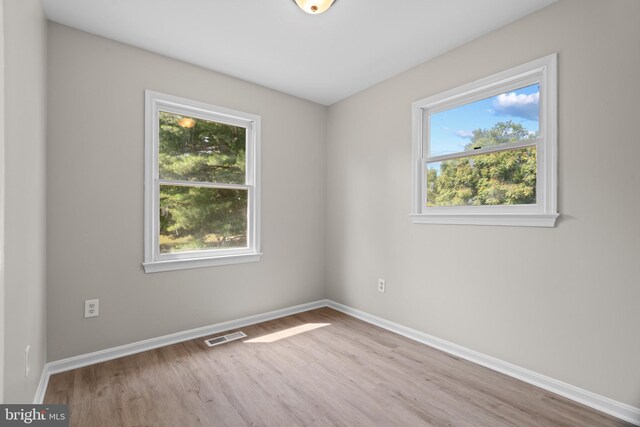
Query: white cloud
[
  {"x": 518, "y": 105},
  {"x": 464, "y": 133}
]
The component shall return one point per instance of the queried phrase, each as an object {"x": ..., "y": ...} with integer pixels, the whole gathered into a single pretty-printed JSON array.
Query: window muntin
[
  {"x": 485, "y": 153},
  {"x": 201, "y": 191}
]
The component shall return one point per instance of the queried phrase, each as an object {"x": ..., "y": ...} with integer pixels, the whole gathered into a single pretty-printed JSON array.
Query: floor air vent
[{"x": 225, "y": 338}]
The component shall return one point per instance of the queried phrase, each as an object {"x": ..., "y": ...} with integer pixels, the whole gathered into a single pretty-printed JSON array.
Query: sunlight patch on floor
[{"x": 276, "y": 336}]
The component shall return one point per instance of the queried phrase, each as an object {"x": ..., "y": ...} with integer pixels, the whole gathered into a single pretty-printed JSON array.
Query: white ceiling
[{"x": 323, "y": 58}]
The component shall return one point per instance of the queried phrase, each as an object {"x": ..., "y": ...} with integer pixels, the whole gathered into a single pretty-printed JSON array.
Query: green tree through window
[
  {"x": 193, "y": 216},
  {"x": 501, "y": 178}
]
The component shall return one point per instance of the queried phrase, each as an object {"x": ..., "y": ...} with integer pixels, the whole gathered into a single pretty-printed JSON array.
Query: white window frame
[
  {"x": 154, "y": 261},
  {"x": 544, "y": 212}
]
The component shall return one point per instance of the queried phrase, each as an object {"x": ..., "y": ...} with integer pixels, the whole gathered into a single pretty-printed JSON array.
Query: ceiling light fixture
[
  {"x": 187, "y": 122},
  {"x": 314, "y": 7}
]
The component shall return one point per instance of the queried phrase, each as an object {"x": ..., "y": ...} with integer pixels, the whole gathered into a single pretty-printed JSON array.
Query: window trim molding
[
  {"x": 153, "y": 260},
  {"x": 544, "y": 212}
]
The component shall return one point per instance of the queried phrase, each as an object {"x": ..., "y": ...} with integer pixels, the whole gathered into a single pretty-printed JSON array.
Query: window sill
[
  {"x": 184, "y": 264},
  {"x": 511, "y": 219}
]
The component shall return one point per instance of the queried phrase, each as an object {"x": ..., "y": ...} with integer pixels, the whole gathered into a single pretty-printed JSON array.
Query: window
[
  {"x": 485, "y": 152},
  {"x": 202, "y": 201}
]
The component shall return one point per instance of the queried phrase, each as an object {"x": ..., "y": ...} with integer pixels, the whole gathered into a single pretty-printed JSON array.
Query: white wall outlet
[
  {"x": 91, "y": 308},
  {"x": 27, "y": 368},
  {"x": 381, "y": 285}
]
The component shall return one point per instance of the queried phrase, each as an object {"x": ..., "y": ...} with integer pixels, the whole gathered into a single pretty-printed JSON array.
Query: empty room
[{"x": 319, "y": 213}]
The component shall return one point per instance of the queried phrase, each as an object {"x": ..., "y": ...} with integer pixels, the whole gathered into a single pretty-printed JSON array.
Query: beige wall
[
  {"x": 24, "y": 182},
  {"x": 95, "y": 199},
  {"x": 563, "y": 302},
  {"x": 2, "y": 203}
]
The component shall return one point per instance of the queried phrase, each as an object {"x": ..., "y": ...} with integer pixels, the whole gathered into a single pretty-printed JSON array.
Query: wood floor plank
[{"x": 345, "y": 373}]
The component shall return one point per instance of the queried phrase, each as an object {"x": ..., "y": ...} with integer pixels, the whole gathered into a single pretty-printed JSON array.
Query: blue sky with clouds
[{"x": 451, "y": 129}]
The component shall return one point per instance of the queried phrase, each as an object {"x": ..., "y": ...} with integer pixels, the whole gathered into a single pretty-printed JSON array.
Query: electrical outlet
[
  {"x": 381, "y": 285},
  {"x": 91, "y": 308},
  {"x": 27, "y": 368}
]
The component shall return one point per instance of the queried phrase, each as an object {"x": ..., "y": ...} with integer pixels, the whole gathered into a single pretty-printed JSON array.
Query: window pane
[
  {"x": 501, "y": 178},
  {"x": 508, "y": 117},
  {"x": 193, "y": 149},
  {"x": 196, "y": 218}
]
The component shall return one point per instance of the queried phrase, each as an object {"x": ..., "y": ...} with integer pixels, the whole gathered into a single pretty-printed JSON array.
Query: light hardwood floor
[{"x": 346, "y": 373}]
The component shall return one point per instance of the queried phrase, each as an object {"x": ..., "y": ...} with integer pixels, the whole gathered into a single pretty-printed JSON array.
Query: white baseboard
[
  {"x": 140, "y": 346},
  {"x": 42, "y": 385},
  {"x": 601, "y": 403}
]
